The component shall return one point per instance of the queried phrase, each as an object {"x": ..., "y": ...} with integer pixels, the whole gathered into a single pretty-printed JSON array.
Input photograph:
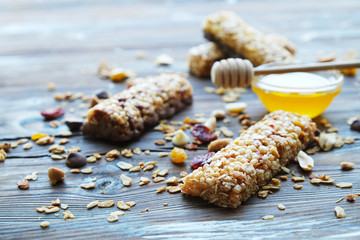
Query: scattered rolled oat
[
  {"x": 306, "y": 162},
  {"x": 45, "y": 140},
  {"x": 75, "y": 170},
  {"x": 329, "y": 140},
  {"x": 236, "y": 107},
  {"x": 268, "y": 217},
  {"x": 68, "y": 215},
  {"x": 343, "y": 185},
  {"x": 63, "y": 141},
  {"x": 144, "y": 181},
  {"x": 161, "y": 189},
  {"x": 45, "y": 224},
  {"x": 172, "y": 181},
  {"x": 298, "y": 186},
  {"x": 263, "y": 193},
  {"x": 23, "y": 184},
  {"x": 163, "y": 154},
  {"x": 147, "y": 152},
  {"x": 27, "y": 146},
  {"x": 283, "y": 177},
  {"x": 127, "y": 153},
  {"x": 64, "y": 206},
  {"x": 163, "y": 172},
  {"x": 52, "y": 209},
  {"x": 91, "y": 159},
  {"x": 183, "y": 174},
  {"x": 106, "y": 204},
  {"x": 56, "y": 157},
  {"x": 164, "y": 60},
  {"x": 33, "y": 176},
  {"x": 131, "y": 203},
  {"x": 124, "y": 165},
  {"x": 65, "y": 134},
  {"x": 158, "y": 179},
  {"x": 339, "y": 212},
  {"x": 55, "y": 175},
  {"x": 126, "y": 181},
  {"x": 121, "y": 205},
  {"x": 88, "y": 185},
  {"x": 347, "y": 165},
  {"x": 135, "y": 169},
  {"x": 114, "y": 216},
  {"x": 56, "y": 149},
  {"x": 160, "y": 142},
  {"x": 285, "y": 169},
  {"x": 55, "y": 202},
  {"x": 281, "y": 206},
  {"x": 92, "y": 204},
  {"x": 173, "y": 189},
  {"x": 298, "y": 179},
  {"x": 112, "y": 154}
]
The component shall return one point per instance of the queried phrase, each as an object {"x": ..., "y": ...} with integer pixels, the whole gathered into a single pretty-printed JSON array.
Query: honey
[{"x": 306, "y": 93}]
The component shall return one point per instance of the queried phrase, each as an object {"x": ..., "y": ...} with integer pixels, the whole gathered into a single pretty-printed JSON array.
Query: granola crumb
[
  {"x": 106, "y": 204},
  {"x": 298, "y": 186},
  {"x": 343, "y": 185},
  {"x": 183, "y": 174},
  {"x": 45, "y": 224},
  {"x": 123, "y": 206},
  {"x": 281, "y": 206},
  {"x": 55, "y": 202},
  {"x": 173, "y": 189}
]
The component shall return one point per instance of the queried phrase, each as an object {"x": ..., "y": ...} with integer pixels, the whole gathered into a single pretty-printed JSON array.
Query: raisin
[
  {"x": 178, "y": 155},
  {"x": 53, "y": 113},
  {"x": 201, "y": 160},
  {"x": 355, "y": 125},
  {"x": 203, "y": 133}
]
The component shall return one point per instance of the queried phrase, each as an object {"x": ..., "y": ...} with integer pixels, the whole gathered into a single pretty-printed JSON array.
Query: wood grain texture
[{"x": 62, "y": 42}]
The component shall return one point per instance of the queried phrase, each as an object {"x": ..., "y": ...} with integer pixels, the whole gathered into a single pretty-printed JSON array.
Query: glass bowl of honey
[{"x": 301, "y": 92}]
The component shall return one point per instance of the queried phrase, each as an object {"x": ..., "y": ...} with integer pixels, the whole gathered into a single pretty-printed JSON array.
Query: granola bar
[
  {"x": 202, "y": 57},
  {"x": 250, "y": 161},
  {"x": 125, "y": 115},
  {"x": 238, "y": 39}
]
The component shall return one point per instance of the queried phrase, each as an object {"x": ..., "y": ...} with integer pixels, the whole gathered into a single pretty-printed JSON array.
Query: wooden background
[{"x": 63, "y": 41}]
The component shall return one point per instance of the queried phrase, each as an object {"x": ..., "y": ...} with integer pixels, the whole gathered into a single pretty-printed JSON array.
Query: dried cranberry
[
  {"x": 203, "y": 133},
  {"x": 356, "y": 125},
  {"x": 53, "y": 113},
  {"x": 201, "y": 160}
]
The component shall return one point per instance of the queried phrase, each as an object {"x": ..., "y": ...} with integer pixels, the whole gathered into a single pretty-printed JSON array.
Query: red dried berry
[
  {"x": 203, "y": 133},
  {"x": 53, "y": 113},
  {"x": 201, "y": 160}
]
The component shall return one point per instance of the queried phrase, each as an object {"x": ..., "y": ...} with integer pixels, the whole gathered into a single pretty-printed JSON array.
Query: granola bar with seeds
[
  {"x": 240, "y": 169},
  {"x": 125, "y": 115}
]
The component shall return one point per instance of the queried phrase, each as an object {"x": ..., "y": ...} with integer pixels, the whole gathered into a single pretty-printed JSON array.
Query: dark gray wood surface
[{"x": 63, "y": 41}]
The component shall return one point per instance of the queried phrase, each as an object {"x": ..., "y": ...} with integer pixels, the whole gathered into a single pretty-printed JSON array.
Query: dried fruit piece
[
  {"x": 37, "y": 136},
  {"x": 201, "y": 160},
  {"x": 75, "y": 160},
  {"x": 55, "y": 175},
  {"x": 23, "y": 184},
  {"x": 180, "y": 138},
  {"x": 218, "y": 144},
  {"x": 339, "y": 212},
  {"x": 203, "y": 133},
  {"x": 52, "y": 113},
  {"x": 178, "y": 155},
  {"x": 347, "y": 165},
  {"x": 306, "y": 162}
]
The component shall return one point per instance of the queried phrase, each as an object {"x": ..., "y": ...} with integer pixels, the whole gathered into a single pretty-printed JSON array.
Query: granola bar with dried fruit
[
  {"x": 240, "y": 169},
  {"x": 125, "y": 115}
]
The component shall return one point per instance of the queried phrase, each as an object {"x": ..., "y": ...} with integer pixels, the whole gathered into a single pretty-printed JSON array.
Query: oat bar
[
  {"x": 238, "y": 39},
  {"x": 250, "y": 161},
  {"x": 202, "y": 57},
  {"x": 125, "y": 115}
]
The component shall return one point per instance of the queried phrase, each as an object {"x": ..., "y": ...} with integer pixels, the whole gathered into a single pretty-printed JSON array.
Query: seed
[
  {"x": 44, "y": 224},
  {"x": 281, "y": 206},
  {"x": 339, "y": 212},
  {"x": 23, "y": 184},
  {"x": 343, "y": 185},
  {"x": 268, "y": 217},
  {"x": 305, "y": 161},
  {"x": 92, "y": 204},
  {"x": 126, "y": 181},
  {"x": 298, "y": 186},
  {"x": 124, "y": 165},
  {"x": 347, "y": 165},
  {"x": 106, "y": 204},
  {"x": 75, "y": 160},
  {"x": 55, "y": 175}
]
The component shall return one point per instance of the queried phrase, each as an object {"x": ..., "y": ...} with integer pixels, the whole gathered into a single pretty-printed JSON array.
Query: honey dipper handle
[{"x": 307, "y": 67}]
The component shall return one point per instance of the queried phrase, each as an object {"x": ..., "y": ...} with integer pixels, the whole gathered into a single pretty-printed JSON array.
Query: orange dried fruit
[
  {"x": 37, "y": 136},
  {"x": 178, "y": 155}
]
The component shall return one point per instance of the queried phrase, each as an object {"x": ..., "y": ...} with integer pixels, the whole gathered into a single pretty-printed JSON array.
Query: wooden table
[{"x": 63, "y": 41}]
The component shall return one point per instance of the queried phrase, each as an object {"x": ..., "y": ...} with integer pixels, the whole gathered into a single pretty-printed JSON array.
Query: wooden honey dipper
[{"x": 237, "y": 72}]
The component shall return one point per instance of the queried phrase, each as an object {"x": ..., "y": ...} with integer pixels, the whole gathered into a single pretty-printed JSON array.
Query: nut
[
  {"x": 75, "y": 160},
  {"x": 92, "y": 204},
  {"x": 23, "y": 184},
  {"x": 329, "y": 140},
  {"x": 106, "y": 204},
  {"x": 339, "y": 212},
  {"x": 305, "y": 161},
  {"x": 236, "y": 107},
  {"x": 218, "y": 144},
  {"x": 126, "y": 181},
  {"x": 347, "y": 165},
  {"x": 218, "y": 113},
  {"x": 180, "y": 138},
  {"x": 211, "y": 123},
  {"x": 55, "y": 175}
]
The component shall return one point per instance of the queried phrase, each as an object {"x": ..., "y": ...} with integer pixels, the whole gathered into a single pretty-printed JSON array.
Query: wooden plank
[{"x": 62, "y": 42}]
